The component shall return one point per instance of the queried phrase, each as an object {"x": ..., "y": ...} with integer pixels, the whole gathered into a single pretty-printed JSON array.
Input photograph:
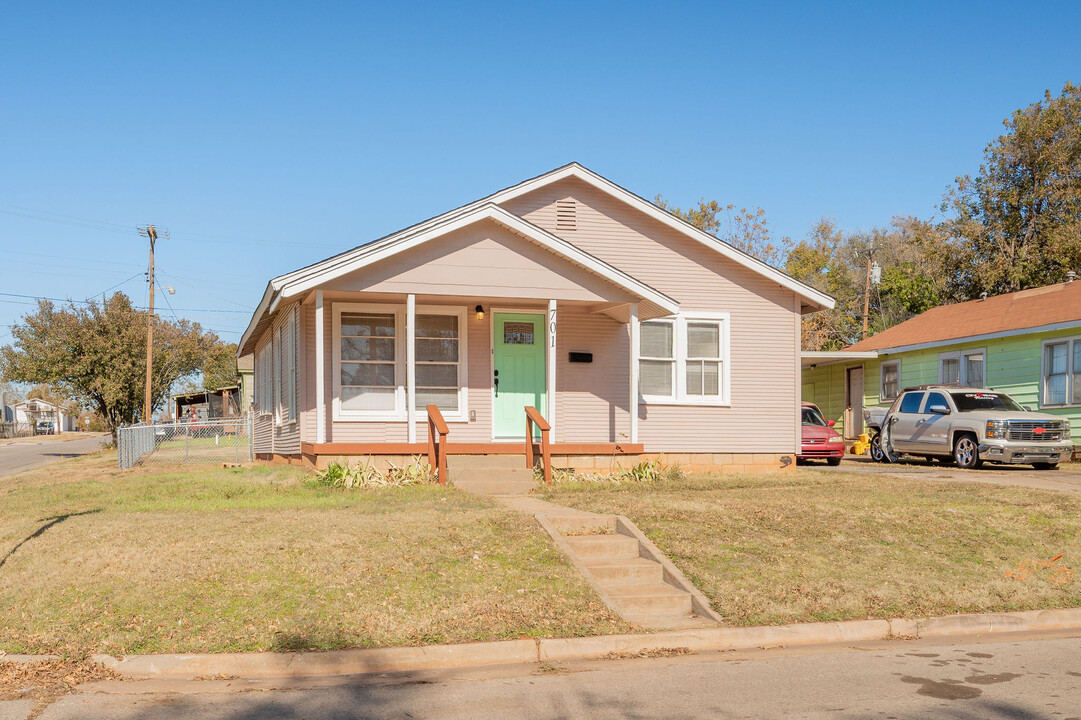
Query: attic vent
[{"x": 566, "y": 215}]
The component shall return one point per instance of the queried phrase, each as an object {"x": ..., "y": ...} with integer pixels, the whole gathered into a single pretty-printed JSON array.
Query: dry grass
[
  {"x": 93, "y": 559},
  {"x": 811, "y": 545}
]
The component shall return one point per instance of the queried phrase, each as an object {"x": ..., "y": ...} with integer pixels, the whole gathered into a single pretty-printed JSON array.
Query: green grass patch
[
  {"x": 811, "y": 545},
  {"x": 176, "y": 559}
]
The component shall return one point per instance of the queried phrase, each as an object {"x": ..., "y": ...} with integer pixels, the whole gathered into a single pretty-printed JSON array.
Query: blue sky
[{"x": 266, "y": 135}]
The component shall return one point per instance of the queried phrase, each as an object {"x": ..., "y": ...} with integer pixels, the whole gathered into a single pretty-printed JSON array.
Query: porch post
[
  {"x": 550, "y": 381},
  {"x": 320, "y": 372},
  {"x": 411, "y": 365},
  {"x": 635, "y": 343}
]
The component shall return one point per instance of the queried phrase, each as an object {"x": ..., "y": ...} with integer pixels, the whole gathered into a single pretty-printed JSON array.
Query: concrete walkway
[{"x": 629, "y": 573}]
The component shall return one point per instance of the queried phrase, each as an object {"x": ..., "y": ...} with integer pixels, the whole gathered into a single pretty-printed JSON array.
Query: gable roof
[
  {"x": 654, "y": 302},
  {"x": 307, "y": 277},
  {"x": 1013, "y": 313}
]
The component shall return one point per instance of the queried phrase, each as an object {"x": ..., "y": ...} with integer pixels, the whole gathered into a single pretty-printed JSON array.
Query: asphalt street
[
  {"x": 26, "y": 453},
  {"x": 1030, "y": 677}
]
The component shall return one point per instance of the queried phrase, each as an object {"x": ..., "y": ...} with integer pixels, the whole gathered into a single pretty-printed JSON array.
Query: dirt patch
[{"x": 43, "y": 681}]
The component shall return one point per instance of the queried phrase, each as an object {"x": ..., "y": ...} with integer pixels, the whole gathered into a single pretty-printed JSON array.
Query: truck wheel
[
  {"x": 876, "y": 447},
  {"x": 966, "y": 451},
  {"x": 1045, "y": 466}
]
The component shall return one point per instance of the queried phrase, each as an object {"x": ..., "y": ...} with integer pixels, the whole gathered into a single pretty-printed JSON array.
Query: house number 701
[{"x": 552, "y": 327}]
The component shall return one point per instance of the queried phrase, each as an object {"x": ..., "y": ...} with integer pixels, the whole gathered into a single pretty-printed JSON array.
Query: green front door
[{"x": 519, "y": 371}]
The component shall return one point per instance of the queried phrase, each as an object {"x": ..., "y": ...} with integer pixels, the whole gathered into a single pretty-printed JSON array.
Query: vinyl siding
[
  {"x": 482, "y": 260},
  {"x": 763, "y": 416}
]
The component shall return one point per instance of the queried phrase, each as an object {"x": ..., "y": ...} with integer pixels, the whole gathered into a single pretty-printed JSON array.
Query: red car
[{"x": 820, "y": 440}]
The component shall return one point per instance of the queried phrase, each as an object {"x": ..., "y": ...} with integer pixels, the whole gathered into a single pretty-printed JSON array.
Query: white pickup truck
[{"x": 969, "y": 426}]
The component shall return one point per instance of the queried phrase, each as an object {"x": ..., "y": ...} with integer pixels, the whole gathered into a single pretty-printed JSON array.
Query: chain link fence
[{"x": 202, "y": 441}]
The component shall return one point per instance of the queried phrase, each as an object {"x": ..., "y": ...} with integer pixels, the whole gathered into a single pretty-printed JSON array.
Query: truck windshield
[{"x": 966, "y": 401}]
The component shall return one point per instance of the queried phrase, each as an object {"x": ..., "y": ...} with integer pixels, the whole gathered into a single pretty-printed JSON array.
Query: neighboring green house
[{"x": 1027, "y": 344}]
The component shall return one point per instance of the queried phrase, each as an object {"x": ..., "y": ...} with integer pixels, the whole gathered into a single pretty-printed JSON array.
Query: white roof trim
[
  {"x": 831, "y": 357},
  {"x": 977, "y": 338},
  {"x": 305, "y": 279},
  {"x": 346, "y": 259},
  {"x": 605, "y": 185}
]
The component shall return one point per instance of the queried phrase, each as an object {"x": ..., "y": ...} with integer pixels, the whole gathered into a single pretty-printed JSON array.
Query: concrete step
[
  {"x": 497, "y": 486},
  {"x": 486, "y": 462},
  {"x": 602, "y": 547},
  {"x": 653, "y": 600},
  {"x": 627, "y": 571},
  {"x": 583, "y": 523},
  {"x": 491, "y": 473}
]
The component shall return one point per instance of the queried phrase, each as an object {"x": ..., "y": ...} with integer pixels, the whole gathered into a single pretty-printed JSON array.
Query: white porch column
[
  {"x": 635, "y": 344},
  {"x": 320, "y": 372},
  {"x": 550, "y": 382},
  {"x": 411, "y": 365}
]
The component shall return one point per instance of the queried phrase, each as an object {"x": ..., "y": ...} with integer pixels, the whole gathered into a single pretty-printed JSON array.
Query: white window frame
[
  {"x": 961, "y": 356},
  {"x": 264, "y": 370},
  {"x": 1071, "y": 370},
  {"x": 679, "y": 380},
  {"x": 882, "y": 380},
  {"x": 400, "y": 411},
  {"x": 286, "y": 336},
  {"x": 673, "y": 361}
]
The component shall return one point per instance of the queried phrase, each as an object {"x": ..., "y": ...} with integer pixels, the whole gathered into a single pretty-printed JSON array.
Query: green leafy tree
[
  {"x": 1017, "y": 223},
  {"x": 744, "y": 228},
  {"x": 95, "y": 354},
  {"x": 912, "y": 254}
]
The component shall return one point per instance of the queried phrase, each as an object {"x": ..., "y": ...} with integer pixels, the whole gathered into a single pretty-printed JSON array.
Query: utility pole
[
  {"x": 150, "y": 232},
  {"x": 866, "y": 300}
]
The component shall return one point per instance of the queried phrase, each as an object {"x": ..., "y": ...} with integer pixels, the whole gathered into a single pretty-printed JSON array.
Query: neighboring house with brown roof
[{"x": 1027, "y": 344}]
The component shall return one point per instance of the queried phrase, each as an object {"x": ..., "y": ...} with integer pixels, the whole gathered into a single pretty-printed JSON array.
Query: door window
[
  {"x": 935, "y": 399},
  {"x": 910, "y": 403}
]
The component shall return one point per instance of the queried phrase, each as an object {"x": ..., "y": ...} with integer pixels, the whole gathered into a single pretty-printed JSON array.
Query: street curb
[{"x": 359, "y": 662}]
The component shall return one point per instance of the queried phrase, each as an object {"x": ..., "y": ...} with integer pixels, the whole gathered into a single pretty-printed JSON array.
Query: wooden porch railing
[
  {"x": 437, "y": 442},
  {"x": 532, "y": 415}
]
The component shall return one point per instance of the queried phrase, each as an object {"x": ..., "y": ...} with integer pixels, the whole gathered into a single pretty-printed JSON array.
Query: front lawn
[
  {"x": 95, "y": 559},
  {"x": 816, "y": 545}
]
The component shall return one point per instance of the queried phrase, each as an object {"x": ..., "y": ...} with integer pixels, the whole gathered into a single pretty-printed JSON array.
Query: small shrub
[
  {"x": 647, "y": 471},
  {"x": 344, "y": 474}
]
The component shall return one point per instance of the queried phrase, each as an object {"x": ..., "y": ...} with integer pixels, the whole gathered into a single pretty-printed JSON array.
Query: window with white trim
[
  {"x": 890, "y": 380},
  {"x": 370, "y": 361},
  {"x": 286, "y": 336},
  {"x": 963, "y": 367},
  {"x": 264, "y": 371},
  {"x": 657, "y": 358},
  {"x": 684, "y": 360},
  {"x": 1061, "y": 372},
  {"x": 368, "y": 372},
  {"x": 437, "y": 358}
]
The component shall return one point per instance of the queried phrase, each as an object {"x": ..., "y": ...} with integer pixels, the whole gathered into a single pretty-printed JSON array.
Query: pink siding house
[{"x": 632, "y": 333}]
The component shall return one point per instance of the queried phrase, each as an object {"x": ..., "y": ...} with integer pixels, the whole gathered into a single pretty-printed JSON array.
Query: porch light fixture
[{"x": 480, "y": 312}]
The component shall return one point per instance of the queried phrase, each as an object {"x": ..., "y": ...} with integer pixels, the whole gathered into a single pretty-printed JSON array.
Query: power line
[
  {"x": 105, "y": 226},
  {"x": 182, "y": 281},
  {"x": 114, "y": 287},
  {"x": 54, "y": 257},
  {"x": 87, "y": 302}
]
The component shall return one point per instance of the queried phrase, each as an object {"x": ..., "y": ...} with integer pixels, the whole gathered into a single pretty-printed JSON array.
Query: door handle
[{"x": 495, "y": 378}]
